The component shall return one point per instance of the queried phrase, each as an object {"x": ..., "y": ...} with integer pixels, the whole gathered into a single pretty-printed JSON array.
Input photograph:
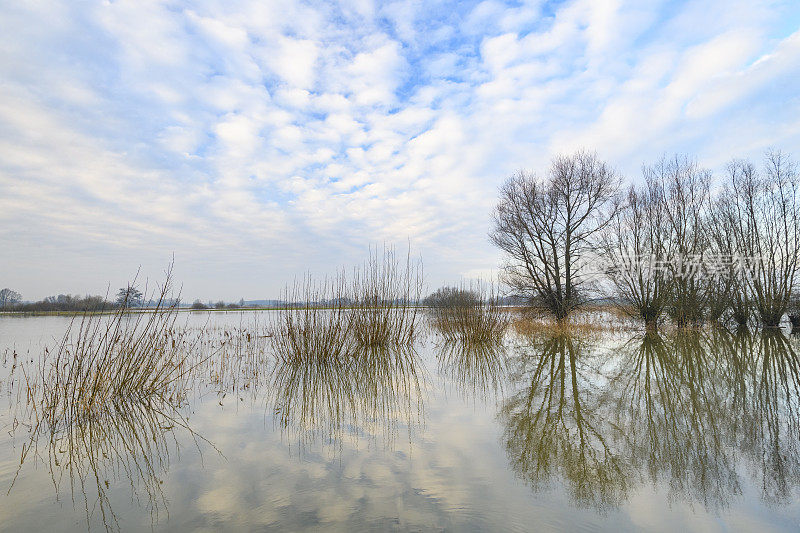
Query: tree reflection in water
[
  {"x": 769, "y": 409},
  {"x": 558, "y": 425},
  {"x": 671, "y": 400},
  {"x": 688, "y": 411},
  {"x": 376, "y": 389}
]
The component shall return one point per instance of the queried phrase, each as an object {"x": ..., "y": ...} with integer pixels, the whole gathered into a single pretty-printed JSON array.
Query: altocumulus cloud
[{"x": 257, "y": 140}]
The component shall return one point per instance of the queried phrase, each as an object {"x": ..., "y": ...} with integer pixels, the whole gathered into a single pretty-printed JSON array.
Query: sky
[{"x": 256, "y": 141}]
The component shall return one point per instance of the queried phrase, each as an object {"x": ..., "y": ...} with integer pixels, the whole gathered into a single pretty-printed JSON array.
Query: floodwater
[{"x": 600, "y": 431}]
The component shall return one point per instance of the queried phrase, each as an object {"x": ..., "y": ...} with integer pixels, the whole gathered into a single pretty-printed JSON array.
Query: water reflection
[
  {"x": 128, "y": 442},
  {"x": 671, "y": 402},
  {"x": 374, "y": 391},
  {"x": 617, "y": 422},
  {"x": 768, "y": 410},
  {"x": 557, "y": 425},
  {"x": 478, "y": 369},
  {"x": 686, "y": 412}
]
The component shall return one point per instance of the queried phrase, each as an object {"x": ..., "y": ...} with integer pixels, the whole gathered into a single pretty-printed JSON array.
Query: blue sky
[{"x": 260, "y": 140}]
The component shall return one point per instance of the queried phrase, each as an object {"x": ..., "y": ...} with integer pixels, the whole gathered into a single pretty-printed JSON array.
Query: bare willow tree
[
  {"x": 548, "y": 227},
  {"x": 632, "y": 247},
  {"x": 764, "y": 213},
  {"x": 9, "y": 297},
  {"x": 683, "y": 189},
  {"x": 726, "y": 216}
]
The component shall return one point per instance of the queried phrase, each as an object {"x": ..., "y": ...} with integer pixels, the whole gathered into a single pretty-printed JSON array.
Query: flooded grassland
[{"x": 232, "y": 425}]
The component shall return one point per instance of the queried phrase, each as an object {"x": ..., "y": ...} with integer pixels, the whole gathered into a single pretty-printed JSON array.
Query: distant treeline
[
  {"x": 466, "y": 296},
  {"x": 127, "y": 297},
  {"x": 197, "y": 304},
  {"x": 76, "y": 303},
  {"x": 62, "y": 302}
]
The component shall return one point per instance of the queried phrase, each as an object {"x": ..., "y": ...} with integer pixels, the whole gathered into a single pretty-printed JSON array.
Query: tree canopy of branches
[
  {"x": 9, "y": 297},
  {"x": 129, "y": 296},
  {"x": 760, "y": 211},
  {"x": 634, "y": 239},
  {"x": 452, "y": 297},
  {"x": 548, "y": 227},
  {"x": 683, "y": 190}
]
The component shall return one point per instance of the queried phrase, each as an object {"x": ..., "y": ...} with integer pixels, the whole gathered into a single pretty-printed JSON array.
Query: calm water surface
[{"x": 622, "y": 431}]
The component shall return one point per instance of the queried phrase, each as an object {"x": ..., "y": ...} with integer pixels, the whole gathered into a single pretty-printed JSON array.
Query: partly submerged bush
[
  {"x": 385, "y": 293},
  {"x": 476, "y": 317},
  {"x": 451, "y": 297},
  {"x": 376, "y": 307},
  {"x": 305, "y": 330},
  {"x": 112, "y": 358}
]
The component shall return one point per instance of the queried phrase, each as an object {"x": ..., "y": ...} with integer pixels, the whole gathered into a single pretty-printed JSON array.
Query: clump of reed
[
  {"x": 104, "y": 404},
  {"x": 385, "y": 293},
  {"x": 113, "y": 358},
  {"x": 470, "y": 315},
  {"x": 335, "y": 317},
  {"x": 313, "y": 321}
]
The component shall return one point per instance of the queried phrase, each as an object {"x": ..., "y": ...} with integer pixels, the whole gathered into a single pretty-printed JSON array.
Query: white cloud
[
  {"x": 373, "y": 76},
  {"x": 294, "y": 60},
  {"x": 274, "y": 136}
]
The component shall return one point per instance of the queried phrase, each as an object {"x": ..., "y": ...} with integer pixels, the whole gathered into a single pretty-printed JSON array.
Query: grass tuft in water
[
  {"x": 113, "y": 358},
  {"x": 385, "y": 293},
  {"x": 334, "y": 318},
  {"x": 474, "y": 318}
]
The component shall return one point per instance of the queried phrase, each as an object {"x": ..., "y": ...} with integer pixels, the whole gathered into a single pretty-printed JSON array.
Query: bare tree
[
  {"x": 632, "y": 246},
  {"x": 683, "y": 189},
  {"x": 445, "y": 297},
  {"x": 129, "y": 296},
  {"x": 9, "y": 297},
  {"x": 548, "y": 227},
  {"x": 764, "y": 213},
  {"x": 726, "y": 217}
]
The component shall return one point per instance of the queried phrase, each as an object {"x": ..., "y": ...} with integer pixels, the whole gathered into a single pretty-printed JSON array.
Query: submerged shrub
[
  {"x": 313, "y": 321},
  {"x": 376, "y": 307},
  {"x": 451, "y": 297},
  {"x": 471, "y": 316},
  {"x": 123, "y": 356},
  {"x": 385, "y": 293}
]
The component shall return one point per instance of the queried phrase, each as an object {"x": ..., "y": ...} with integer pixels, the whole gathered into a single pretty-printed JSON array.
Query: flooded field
[{"x": 608, "y": 429}]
